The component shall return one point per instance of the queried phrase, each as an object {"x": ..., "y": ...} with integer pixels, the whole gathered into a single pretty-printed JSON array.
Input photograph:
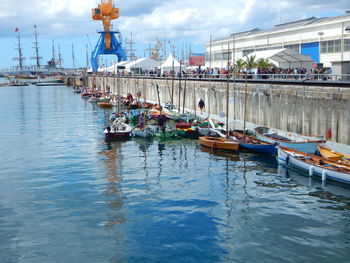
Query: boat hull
[
  {"x": 145, "y": 133},
  {"x": 167, "y": 135},
  {"x": 117, "y": 135},
  {"x": 303, "y": 143},
  {"x": 218, "y": 143},
  {"x": 287, "y": 158},
  {"x": 188, "y": 133},
  {"x": 266, "y": 149}
]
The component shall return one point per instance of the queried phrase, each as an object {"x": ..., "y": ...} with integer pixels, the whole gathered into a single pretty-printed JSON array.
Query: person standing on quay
[{"x": 201, "y": 105}]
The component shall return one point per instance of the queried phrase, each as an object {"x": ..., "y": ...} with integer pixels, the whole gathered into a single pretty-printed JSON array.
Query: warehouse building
[{"x": 325, "y": 40}]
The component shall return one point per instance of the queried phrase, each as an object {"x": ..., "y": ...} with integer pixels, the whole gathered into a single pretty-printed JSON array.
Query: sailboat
[{"x": 223, "y": 142}]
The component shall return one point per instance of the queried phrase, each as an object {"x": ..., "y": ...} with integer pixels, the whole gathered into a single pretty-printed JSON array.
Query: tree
[
  {"x": 264, "y": 63},
  {"x": 251, "y": 62},
  {"x": 240, "y": 64}
]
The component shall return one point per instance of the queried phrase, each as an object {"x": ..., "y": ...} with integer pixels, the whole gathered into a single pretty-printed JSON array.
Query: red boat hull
[{"x": 118, "y": 135}]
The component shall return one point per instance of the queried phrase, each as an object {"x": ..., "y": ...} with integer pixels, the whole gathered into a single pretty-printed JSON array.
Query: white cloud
[{"x": 177, "y": 20}]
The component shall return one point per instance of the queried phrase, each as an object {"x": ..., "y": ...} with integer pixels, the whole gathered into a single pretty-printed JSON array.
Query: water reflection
[
  {"x": 113, "y": 176},
  {"x": 332, "y": 195},
  {"x": 225, "y": 154}
]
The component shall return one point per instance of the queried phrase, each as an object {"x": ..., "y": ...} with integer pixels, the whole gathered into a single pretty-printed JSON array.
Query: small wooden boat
[
  {"x": 154, "y": 113},
  {"x": 146, "y": 132},
  {"x": 185, "y": 129},
  {"x": 190, "y": 133},
  {"x": 172, "y": 114},
  {"x": 77, "y": 90},
  {"x": 105, "y": 104},
  {"x": 314, "y": 164},
  {"x": 333, "y": 155},
  {"x": 85, "y": 94},
  {"x": 19, "y": 84},
  {"x": 118, "y": 130},
  {"x": 219, "y": 143},
  {"x": 303, "y": 143},
  {"x": 253, "y": 144},
  {"x": 167, "y": 134}
]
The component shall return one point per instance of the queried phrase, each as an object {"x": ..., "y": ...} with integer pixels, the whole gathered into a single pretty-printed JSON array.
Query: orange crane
[
  {"x": 108, "y": 44},
  {"x": 106, "y": 12}
]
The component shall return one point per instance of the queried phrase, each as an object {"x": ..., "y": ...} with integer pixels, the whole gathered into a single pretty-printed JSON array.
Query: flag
[
  {"x": 329, "y": 133},
  {"x": 16, "y": 29}
]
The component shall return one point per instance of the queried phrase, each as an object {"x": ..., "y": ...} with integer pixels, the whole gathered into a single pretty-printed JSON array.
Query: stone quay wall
[{"x": 299, "y": 108}]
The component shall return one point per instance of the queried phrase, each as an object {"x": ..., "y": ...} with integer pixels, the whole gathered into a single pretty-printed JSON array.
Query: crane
[{"x": 107, "y": 44}]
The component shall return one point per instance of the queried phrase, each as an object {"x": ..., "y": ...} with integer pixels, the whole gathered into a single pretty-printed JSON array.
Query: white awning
[{"x": 284, "y": 56}]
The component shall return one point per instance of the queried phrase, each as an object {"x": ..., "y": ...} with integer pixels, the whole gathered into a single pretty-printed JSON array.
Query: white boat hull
[
  {"x": 145, "y": 133},
  {"x": 288, "y": 159}
]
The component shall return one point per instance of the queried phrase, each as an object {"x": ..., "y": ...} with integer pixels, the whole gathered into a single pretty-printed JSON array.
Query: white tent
[
  {"x": 167, "y": 65},
  {"x": 284, "y": 58},
  {"x": 142, "y": 64}
]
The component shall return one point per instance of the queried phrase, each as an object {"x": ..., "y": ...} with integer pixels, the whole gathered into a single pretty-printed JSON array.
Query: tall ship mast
[
  {"x": 20, "y": 57},
  {"x": 36, "y": 49}
]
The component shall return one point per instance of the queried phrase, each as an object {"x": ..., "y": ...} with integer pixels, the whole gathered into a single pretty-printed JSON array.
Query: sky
[{"x": 181, "y": 22}]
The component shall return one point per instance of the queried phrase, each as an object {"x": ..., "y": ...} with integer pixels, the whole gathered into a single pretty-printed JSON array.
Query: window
[
  {"x": 295, "y": 47},
  {"x": 347, "y": 44},
  {"x": 247, "y": 52},
  {"x": 331, "y": 46}
]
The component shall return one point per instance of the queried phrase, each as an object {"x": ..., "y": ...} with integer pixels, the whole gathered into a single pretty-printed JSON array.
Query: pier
[{"x": 305, "y": 108}]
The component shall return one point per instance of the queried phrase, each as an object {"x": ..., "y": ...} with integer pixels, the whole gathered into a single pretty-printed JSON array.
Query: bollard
[{"x": 324, "y": 175}]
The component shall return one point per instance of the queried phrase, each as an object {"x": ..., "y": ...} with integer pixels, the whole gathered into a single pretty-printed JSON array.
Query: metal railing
[{"x": 241, "y": 76}]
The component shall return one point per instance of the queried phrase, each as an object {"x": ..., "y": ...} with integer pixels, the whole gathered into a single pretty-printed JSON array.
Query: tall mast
[
  {"x": 59, "y": 57},
  {"x": 36, "y": 49},
  {"x": 87, "y": 57},
  {"x": 53, "y": 53},
  {"x": 73, "y": 57},
  {"x": 20, "y": 57}
]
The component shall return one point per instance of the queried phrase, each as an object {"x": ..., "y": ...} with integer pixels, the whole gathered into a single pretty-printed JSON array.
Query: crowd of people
[{"x": 316, "y": 73}]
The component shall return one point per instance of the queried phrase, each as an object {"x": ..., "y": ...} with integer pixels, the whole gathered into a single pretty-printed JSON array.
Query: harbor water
[{"x": 66, "y": 195}]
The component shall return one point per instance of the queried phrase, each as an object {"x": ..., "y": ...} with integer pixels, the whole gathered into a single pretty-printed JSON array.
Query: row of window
[{"x": 331, "y": 46}]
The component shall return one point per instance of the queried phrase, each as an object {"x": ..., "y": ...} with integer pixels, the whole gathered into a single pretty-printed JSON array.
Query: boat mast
[
  {"x": 73, "y": 57},
  {"x": 36, "y": 49},
  {"x": 20, "y": 57},
  {"x": 53, "y": 54},
  {"x": 87, "y": 58},
  {"x": 227, "y": 88},
  {"x": 59, "y": 57}
]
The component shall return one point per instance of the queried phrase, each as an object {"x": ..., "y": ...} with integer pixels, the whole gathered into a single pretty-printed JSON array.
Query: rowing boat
[
  {"x": 303, "y": 143},
  {"x": 314, "y": 164},
  {"x": 219, "y": 143},
  {"x": 253, "y": 144},
  {"x": 333, "y": 155}
]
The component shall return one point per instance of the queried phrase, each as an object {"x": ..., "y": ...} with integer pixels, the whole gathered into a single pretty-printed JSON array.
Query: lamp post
[{"x": 320, "y": 34}]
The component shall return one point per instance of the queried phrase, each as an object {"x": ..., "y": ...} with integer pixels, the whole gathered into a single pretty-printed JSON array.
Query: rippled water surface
[{"x": 68, "y": 196}]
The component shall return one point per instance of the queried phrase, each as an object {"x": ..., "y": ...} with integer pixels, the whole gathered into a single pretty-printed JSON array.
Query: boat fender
[
  {"x": 324, "y": 175},
  {"x": 287, "y": 159},
  {"x": 311, "y": 170}
]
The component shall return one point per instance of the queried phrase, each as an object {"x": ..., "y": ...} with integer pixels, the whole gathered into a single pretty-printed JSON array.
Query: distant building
[{"x": 325, "y": 40}]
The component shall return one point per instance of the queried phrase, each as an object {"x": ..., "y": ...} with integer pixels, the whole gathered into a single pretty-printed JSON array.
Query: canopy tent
[
  {"x": 142, "y": 64},
  {"x": 169, "y": 64},
  {"x": 285, "y": 58}
]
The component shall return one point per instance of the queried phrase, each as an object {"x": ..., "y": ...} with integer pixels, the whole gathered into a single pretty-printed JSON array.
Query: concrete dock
[{"x": 294, "y": 107}]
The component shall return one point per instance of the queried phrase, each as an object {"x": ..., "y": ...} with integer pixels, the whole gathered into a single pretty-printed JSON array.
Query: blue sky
[{"x": 177, "y": 21}]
